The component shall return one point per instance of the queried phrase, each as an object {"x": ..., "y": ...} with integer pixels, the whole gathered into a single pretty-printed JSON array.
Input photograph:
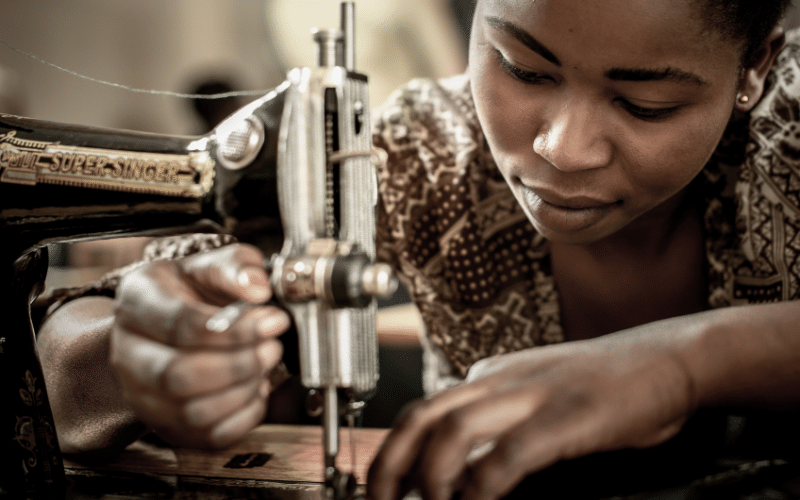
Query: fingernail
[
  {"x": 256, "y": 289},
  {"x": 273, "y": 323}
]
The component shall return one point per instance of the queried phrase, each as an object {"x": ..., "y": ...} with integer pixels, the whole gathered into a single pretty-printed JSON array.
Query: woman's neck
[{"x": 654, "y": 269}]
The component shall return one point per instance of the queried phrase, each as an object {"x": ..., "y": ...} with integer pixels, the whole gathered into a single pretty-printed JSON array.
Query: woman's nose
[{"x": 574, "y": 139}]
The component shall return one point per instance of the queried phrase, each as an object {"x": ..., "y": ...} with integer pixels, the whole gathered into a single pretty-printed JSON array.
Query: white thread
[{"x": 168, "y": 93}]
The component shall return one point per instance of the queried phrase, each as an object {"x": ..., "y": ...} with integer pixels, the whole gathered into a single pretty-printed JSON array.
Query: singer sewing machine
[{"x": 296, "y": 164}]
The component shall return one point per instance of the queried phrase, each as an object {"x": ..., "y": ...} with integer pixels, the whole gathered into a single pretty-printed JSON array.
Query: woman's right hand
[{"x": 194, "y": 386}]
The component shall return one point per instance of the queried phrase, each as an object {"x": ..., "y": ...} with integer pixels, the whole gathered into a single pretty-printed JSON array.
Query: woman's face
[{"x": 599, "y": 111}]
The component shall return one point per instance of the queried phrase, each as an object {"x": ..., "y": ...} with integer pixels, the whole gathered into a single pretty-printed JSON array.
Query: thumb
[{"x": 233, "y": 272}]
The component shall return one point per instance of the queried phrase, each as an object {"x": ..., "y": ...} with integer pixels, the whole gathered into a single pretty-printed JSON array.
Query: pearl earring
[{"x": 743, "y": 99}]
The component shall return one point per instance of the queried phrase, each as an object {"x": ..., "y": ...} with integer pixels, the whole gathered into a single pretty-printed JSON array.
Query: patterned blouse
[{"x": 480, "y": 273}]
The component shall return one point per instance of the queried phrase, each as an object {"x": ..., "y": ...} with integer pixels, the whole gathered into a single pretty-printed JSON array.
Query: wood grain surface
[{"x": 284, "y": 453}]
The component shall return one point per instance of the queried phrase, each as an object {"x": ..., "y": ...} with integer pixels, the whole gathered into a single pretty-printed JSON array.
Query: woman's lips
[{"x": 564, "y": 215}]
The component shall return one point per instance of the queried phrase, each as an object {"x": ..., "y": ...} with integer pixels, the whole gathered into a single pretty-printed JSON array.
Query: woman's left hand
[{"x": 519, "y": 413}]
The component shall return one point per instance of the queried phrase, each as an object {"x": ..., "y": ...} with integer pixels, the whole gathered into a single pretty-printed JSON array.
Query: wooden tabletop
[
  {"x": 288, "y": 456},
  {"x": 280, "y": 462}
]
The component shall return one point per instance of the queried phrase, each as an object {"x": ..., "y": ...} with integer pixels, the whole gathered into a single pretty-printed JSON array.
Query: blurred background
[
  {"x": 179, "y": 44},
  {"x": 209, "y": 46}
]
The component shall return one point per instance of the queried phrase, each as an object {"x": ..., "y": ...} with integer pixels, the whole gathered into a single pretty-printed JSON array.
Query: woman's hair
[{"x": 748, "y": 22}]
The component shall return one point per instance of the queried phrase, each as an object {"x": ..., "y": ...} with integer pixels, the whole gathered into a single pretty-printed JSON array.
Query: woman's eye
[
  {"x": 650, "y": 114},
  {"x": 529, "y": 77}
]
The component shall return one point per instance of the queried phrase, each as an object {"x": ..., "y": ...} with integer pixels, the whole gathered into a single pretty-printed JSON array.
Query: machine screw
[
  {"x": 378, "y": 280},
  {"x": 314, "y": 404},
  {"x": 239, "y": 141}
]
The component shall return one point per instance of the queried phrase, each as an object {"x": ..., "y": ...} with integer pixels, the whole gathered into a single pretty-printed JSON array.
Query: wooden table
[
  {"x": 273, "y": 461},
  {"x": 280, "y": 462}
]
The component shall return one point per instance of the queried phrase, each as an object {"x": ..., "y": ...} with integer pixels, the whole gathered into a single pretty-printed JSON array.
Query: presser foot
[{"x": 339, "y": 485}]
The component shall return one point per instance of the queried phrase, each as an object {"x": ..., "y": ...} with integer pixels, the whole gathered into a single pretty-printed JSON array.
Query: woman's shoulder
[
  {"x": 773, "y": 150},
  {"x": 427, "y": 122},
  {"x": 793, "y": 37},
  {"x": 421, "y": 97},
  {"x": 783, "y": 82}
]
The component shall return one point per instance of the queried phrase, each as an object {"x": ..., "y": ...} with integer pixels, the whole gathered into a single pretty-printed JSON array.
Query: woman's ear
[{"x": 754, "y": 77}]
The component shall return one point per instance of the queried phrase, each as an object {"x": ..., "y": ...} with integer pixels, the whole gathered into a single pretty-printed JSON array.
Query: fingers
[
  {"x": 528, "y": 428},
  {"x": 448, "y": 450},
  {"x": 233, "y": 272},
  {"x": 159, "y": 301},
  {"x": 523, "y": 433},
  {"x": 193, "y": 398},
  {"x": 214, "y": 421},
  {"x": 146, "y": 364},
  {"x": 240, "y": 423},
  {"x": 397, "y": 456},
  {"x": 532, "y": 445}
]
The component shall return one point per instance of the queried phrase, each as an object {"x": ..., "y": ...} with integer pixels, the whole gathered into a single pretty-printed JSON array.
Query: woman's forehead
[
  {"x": 641, "y": 12},
  {"x": 638, "y": 30}
]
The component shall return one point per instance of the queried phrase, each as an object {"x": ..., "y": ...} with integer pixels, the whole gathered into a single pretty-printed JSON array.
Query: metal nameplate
[{"x": 30, "y": 162}]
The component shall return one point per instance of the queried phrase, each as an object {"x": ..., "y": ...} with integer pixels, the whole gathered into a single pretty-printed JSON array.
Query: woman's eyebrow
[
  {"x": 522, "y": 36},
  {"x": 618, "y": 74},
  {"x": 664, "y": 74}
]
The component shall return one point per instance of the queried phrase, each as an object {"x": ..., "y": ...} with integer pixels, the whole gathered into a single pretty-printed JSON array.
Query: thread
[{"x": 167, "y": 93}]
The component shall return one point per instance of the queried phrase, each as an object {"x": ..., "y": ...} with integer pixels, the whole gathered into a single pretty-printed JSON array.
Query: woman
[{"x": 585, "y": 181}]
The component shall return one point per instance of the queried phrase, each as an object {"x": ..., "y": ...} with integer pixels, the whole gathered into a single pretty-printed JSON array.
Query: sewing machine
[{"x": 296, "y": 164}]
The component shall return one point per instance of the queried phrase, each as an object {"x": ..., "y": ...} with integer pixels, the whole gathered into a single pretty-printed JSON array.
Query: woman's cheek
[
  {"x": 507, "y": 116},
  {"x": 670, "y": 160}
]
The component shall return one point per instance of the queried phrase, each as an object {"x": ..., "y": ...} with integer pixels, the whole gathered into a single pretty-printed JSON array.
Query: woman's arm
[
  {"x": 92, "y": 419},
  {"x": 521, "y": 412},
  {"x": 746, "y": 356}
]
